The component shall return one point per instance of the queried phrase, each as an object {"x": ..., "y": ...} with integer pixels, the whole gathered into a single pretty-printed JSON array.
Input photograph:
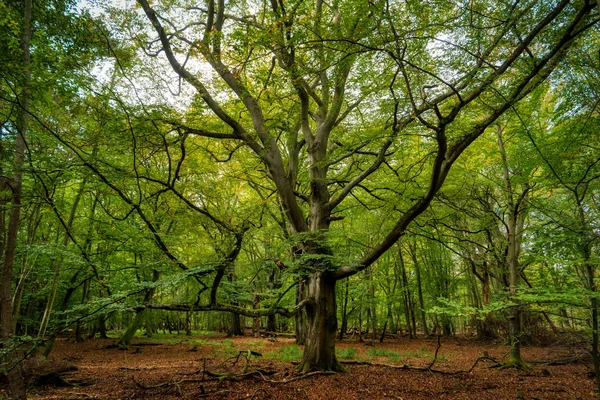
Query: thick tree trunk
[
  {"x": 102, "y": 327},
  {"x": 235, "y": 327},
  {"x": 319, "y": 350},
  {"x": 271, "y": 323},
  {"x": 235, "y": 324}
]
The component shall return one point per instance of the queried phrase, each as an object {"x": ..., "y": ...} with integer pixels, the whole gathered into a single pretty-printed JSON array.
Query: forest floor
[{"x": 180, "y": 367}]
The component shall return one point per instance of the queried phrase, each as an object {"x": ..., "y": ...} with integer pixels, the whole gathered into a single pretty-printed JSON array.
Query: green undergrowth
[
  {"x": 345, "y": 354},
  {"x": 420, "y": 353},
  {"x": 375, "y": 352},
  {"x": 194, "y": 339},
  {"x": 287, "y": 354},
  {"x": 394, "y": 356},
  {"x": 224, "y": 348},
  {"x": 255, "y": 344}
]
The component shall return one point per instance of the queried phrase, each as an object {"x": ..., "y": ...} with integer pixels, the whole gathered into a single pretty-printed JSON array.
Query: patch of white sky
[{"x": 151, "y": 80}]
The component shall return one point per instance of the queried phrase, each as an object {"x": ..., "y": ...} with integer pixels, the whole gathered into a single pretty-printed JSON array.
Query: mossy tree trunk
[{"x": 320, "y": 305}]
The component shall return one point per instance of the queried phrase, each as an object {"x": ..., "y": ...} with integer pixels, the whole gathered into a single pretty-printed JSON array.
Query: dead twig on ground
[
  {"x": 297, "y": 377},
  {"x": 427, "y": 368},
  {"x": 439, "y": 344}
]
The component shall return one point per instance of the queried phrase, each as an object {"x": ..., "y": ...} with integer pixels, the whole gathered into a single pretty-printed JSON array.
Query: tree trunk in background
[
  {"x": 590, "y": 276},
  {"x": 413, "y": 254},
  {"x": 129, "y": 334},
  {"x": 102, "y": 327},
  {"x": 372, "y": 303},
  {"x": 514, "y": 230},
  {"x": 235, "y": 326},
  {"x": 273, "y": 282},
  {"x": 32, "y": 225},
  {"x": 58, "y": 262},
  {"x": 271, "y": 323},
  {"x": 255, "y": 305},
  {"x": 73, "y": 285},
  {"x": 405, "y": 294},
  {"x": 485, "y": 328},
  {"x": 301, "y": 319},
  {"x": 360, "y": 319},
  {"x": 78, "y": 326},
  {"x": 344, "y": 326},
  {"x": 15, "y": 375}
]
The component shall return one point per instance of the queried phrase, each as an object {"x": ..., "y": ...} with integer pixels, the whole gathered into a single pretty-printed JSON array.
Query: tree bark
[
  {"x": 413, "y": 254},
  {"x": 129, "y": 334},
  {"x": 235, "y": 326},
  {"x": 372, "y": 303},
  {"x": 344, "y": 326},
  {"x": 319, "y": 350},
  {"x": 514, "y": 227},
  {"x": 58, "y": 262},
  {"x": 405, "y": 295},
  {"x": 273, "y": 282},
  {"x": 300, "y": 317},
  {"x": 15, "y": 375}
]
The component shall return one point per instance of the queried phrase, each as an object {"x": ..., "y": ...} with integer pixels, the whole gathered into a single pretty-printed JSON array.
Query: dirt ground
[{"x": 172, "y": 368}]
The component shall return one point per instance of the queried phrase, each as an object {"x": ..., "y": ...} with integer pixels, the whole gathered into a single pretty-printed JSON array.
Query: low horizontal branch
[{"x": 247, "y": 312}]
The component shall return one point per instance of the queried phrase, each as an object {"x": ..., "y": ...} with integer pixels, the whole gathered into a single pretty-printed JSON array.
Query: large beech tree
[{"x": 328, "y": 94}]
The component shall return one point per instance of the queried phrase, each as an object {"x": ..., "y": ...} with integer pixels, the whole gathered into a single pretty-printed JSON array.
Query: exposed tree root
[
  {"x": 298, "y": 377},
  {"x": 513, "y": 364},
  {"x": 564, "y": 361}
]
